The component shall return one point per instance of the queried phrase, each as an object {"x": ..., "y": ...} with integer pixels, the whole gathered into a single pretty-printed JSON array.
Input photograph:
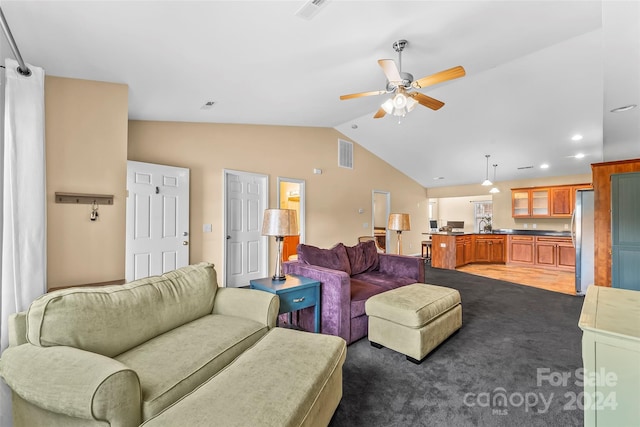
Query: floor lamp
[
  {"x": 280, "y": 223},
  {"x": 399, "y": 222}
]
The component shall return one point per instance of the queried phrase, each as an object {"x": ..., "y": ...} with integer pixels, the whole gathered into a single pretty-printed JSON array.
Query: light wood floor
[{"x": 551, "y": 280}]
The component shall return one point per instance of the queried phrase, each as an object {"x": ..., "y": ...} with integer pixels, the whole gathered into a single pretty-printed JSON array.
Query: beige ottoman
[{"x": 413, "y": 319}]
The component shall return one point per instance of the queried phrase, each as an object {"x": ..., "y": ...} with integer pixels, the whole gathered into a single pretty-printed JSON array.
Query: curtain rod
[{"x": 22, "y": 68}]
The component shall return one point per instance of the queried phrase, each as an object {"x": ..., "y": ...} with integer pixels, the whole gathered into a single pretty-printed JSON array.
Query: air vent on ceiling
[
  {"x": 310, "y": 9},
  {"x": 525, "y": 167},
  {"x": 345, "y": 154}
]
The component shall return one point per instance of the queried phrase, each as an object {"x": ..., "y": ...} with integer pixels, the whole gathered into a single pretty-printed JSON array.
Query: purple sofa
[{"x": 348, "y": 277}]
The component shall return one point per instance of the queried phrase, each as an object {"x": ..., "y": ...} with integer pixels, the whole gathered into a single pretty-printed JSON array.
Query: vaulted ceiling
[{"x": 537, "y": 73}]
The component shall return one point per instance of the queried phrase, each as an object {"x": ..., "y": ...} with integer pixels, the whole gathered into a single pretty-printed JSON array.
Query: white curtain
[{"x": 24, "y": 270}]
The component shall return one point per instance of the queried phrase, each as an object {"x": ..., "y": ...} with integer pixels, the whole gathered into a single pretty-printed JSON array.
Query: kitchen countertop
[{"x": 503, "y": 231}]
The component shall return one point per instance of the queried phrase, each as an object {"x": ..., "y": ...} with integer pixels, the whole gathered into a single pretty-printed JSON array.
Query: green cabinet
[{"x": 625, "y": 231}]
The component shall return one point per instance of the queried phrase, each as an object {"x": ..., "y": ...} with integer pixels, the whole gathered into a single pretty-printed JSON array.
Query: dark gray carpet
[{"x": 485, "y": 374}]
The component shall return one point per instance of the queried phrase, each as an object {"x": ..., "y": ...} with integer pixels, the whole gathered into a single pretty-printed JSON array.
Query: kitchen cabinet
[
  {"x": 625, "y": 232},
  {"x": 521, "y": 249},
  {"x": 489, "y": 248},
  {"x": 555, "y": 252},
  {"x": 464, "y": 250},
  {"x": 563, "y": 199},
  {"x": 531, "y": 202},
  {"x": 601, "y": 173},
  {"x": 544, "y": 202}
]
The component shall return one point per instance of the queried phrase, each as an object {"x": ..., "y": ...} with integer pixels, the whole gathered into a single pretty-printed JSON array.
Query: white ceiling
[{"x": 538, "y": 72}]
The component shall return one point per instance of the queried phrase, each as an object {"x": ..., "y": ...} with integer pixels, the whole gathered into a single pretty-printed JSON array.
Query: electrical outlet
[
  {"x": 365, "y": 225},
  {"x": 443, "y": 245},
  {"x": 206, "y": 228},
  {"x": 535, "y": 225},
  {"x": 525, "y": 225},
  {"x": 566, "y": 226}
]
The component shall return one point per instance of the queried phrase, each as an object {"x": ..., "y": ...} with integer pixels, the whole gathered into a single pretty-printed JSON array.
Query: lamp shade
[
  {"x": 280, "y": 222},
  {"x": 399, "y": 222}
]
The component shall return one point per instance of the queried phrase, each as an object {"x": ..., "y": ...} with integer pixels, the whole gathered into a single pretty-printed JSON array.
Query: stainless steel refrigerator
[{"x": 582, "y": 225}]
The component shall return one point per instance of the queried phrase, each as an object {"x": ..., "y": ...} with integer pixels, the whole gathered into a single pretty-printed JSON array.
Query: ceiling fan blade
[
  {"x": 358, "y": 95},
  {"x": 427, "y": 101},
  {"x": 390, "y": 70},
  {"x": 442, "y": 76},
  {"x": 379, "y": 113}
]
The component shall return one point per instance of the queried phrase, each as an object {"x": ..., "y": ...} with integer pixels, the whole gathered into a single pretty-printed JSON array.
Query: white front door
[
  {"x": 246, "y": 249},
  {"x": 157, "y": 219}
]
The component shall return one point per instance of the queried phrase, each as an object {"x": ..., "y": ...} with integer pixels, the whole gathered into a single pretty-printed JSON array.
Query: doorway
[
  {"x": 291, "y": 195},
  {"x": 380, "y": 210},
  {"x": 245, "y": 249}
]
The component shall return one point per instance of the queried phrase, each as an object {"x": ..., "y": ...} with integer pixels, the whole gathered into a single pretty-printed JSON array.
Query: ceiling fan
[{"x": 403, "y": 85}]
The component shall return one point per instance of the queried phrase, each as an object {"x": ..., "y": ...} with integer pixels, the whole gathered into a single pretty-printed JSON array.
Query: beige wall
[
  {"x": 459, "y": 209},
  {"x": 333, "y": 198},
  {"x": 502, "y": 201},
  {"x": 86, "y": 144}
]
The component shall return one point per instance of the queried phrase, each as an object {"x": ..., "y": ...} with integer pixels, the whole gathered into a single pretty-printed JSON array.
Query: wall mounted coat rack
[{"x": 86, "y": 199}]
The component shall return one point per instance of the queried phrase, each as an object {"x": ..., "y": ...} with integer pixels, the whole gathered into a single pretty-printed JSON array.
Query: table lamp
[
  {"x": 280, "y": 223},
  {"x": 399, "y": 222}
]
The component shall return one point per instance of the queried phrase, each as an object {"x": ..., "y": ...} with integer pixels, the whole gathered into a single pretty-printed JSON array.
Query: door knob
[
  {"x": 228, "y": 237},
  {"x": 185, "y": 243}
]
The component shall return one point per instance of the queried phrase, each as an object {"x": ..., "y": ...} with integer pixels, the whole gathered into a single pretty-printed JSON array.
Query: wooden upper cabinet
[
  {"x": 561, "y": 201},
  {"x": 544, "y": 202},
  {"x": 539, "y": 202},
  {"x": 520, "y": 205}
]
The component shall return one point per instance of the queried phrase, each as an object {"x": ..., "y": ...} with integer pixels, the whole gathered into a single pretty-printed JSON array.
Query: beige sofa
[{"x": 121, "y": 355}]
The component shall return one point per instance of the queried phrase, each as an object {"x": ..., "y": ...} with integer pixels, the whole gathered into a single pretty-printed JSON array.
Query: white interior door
[
  {"x": 157, "y": 219},
  {"x": 246, "y": 250}
]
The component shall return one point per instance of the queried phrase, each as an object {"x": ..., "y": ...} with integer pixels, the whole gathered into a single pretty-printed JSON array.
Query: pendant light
[
  {"x": 486, "y": 181},
  {"x": 494, "y": 190}
]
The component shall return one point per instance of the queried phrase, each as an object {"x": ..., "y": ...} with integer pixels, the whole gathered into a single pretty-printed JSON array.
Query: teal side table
[{"x": 295, "y": 293}]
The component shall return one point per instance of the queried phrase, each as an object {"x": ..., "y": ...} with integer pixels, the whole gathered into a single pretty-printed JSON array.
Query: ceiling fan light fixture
[
  {"x": 387, "y": 106},
  {"x": 400, "y": 101}
]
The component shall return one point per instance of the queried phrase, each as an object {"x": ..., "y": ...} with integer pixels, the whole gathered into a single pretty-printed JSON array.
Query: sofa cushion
[
  {"x": 385, "y": 281},
  {"x": 175, "y": 363},
  {"x": 360, "y": 292},
  {"x": 363, "y": 257},
  {"x": 86, "y": 318},
  {"x": 335, "y": 258}
]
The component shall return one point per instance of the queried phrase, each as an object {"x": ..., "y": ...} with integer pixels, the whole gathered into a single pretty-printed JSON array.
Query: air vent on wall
[
  {"x": 310, "y": 9},
  {"x": 345, "y": 154}
]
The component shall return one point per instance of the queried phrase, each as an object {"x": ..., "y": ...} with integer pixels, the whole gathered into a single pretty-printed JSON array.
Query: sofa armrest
[
  {"x": 252, "y": 304},
  {"x": 18, "y": 328},
  {"x": 74, "y": 382},
  {"x": 403, "y": 266},
  {"x": 335, "y": 296}
]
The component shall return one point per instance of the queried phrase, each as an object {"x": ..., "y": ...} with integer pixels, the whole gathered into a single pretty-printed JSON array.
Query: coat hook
[{"x": 94, "y": 211}]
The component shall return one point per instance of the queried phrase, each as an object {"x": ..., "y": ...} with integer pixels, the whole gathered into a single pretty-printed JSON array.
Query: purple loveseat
[{"x": 348, "y": 277}]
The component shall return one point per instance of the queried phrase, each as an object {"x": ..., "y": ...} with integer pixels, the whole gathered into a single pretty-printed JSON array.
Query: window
[{"x": 483, "y": 216}]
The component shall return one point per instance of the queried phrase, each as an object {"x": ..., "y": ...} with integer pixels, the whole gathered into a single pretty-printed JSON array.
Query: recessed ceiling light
[
  {"x": 579, "y": 155},
  {"x": 625, "y": 108},
  {"x": 438, "y": 177},
  {"x": 544, "y": 166},
  {"x": 576, "y": 137}
]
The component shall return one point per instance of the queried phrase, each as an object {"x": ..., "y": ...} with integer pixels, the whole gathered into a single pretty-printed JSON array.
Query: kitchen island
[{"x": 537, "y": 248}]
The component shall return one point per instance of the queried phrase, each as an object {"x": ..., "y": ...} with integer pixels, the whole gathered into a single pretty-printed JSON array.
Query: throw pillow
[
  {"x": 363, "y": 257},
  {"x": 335, "y": 258}
]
